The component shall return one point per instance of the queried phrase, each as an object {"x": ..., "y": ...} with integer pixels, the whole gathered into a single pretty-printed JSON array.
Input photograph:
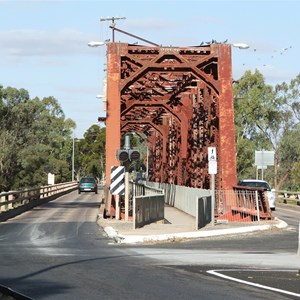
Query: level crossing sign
[{"x": 117, "y": 180}]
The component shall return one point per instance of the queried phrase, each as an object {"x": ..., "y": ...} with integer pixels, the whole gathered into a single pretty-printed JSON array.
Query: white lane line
[{"x": 215, "y": 272}]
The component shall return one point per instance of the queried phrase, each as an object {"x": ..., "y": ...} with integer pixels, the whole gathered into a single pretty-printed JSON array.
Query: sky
[{"x": 44, "y": 44}]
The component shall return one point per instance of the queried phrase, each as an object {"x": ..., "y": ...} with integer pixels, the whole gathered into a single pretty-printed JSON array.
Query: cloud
[{"x": 26, "y": 43}]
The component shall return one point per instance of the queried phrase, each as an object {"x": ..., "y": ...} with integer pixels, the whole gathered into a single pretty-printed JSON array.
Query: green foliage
[
  {"x": 267, "y": 118},
  {"x": 34, "y": 140},
  {"x": 252, "y": 100},
  {"x": 289, "y": 159},
  {"x": 90, "y": 153}
]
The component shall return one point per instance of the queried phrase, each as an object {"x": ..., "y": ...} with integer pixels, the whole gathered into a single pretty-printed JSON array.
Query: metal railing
[
  {"x": 181, "y": 197},
  {"x": 287, "y": 197},
  {"x": 17, "y": 199},
  {"x": 140, "y": 189},
  {"x": 242, "y": 204}
]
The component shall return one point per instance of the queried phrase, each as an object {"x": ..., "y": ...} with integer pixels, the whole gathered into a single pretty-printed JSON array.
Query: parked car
[
  {"x": 88, "y": 184},
  {"x": 261, "y": 184}
]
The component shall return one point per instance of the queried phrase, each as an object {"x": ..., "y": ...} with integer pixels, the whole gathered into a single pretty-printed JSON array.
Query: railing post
[
  {"x": 2, "y": 200},
  {"x": 257, "y": 205},
  {"x": 10, "y": 205}
]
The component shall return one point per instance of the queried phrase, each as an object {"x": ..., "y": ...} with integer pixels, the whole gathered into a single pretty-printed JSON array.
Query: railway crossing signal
[{"x": 128, "y": 154}]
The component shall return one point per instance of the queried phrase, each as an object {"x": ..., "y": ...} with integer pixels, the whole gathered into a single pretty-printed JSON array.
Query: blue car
[{"x": 88, "y": 184}]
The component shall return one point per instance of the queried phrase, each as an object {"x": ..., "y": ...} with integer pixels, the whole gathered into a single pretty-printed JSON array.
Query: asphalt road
[{"x": 57, "y": 251}]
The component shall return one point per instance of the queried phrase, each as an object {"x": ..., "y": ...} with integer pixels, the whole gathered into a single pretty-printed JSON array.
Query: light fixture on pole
[
  {"x": 240, "y": 45},
  {"x": 96, "y": 44}
]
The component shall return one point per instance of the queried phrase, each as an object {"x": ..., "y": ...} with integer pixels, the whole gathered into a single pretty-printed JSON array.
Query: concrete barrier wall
[
  {"x": 148, "y": 209},
  {"x": 181, "y": 197}
]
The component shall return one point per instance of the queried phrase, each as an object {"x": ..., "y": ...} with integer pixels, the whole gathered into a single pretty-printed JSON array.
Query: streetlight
[
  {"x": 96, "y": 44},
  {"x": 240, "y": 45}
]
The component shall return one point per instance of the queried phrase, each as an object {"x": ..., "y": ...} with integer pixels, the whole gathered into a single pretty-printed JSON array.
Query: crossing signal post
[
  {"x": 124, "y": 155},
  {"x": 128, "y": 154}
]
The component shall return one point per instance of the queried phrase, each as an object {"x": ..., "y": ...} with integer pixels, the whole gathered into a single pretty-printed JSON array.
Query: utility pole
[
  {"x": 73, "y": 158},
  {"x": 113, "y": 24}
]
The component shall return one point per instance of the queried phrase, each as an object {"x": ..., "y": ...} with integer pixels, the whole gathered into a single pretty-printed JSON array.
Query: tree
[
  {"x": 90, "y": 157},
  {"x": 289, "y": 154},
  {"x": 35, "y": 139},
  {"x": 253, "y": 105},
  {"x": 267, "y": 118}
]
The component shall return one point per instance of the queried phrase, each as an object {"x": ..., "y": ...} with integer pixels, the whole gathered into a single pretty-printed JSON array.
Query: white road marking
[{"x": 216, "y": 273}]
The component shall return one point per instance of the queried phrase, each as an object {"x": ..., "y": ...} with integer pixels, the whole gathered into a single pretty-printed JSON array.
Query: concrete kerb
[
  {"x": 134, "y": 237},
  {"x": 156, "y": 238}
]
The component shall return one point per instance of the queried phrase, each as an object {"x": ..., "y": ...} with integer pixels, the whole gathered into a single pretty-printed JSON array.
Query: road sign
[
  {"x": 212, "y": 167},
  {"x": 264, "y": 158},
  {"x": 212, "y": 153}
]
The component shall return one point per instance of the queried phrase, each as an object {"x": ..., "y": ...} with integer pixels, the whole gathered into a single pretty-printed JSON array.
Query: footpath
[{"x": 177, "y": 225}]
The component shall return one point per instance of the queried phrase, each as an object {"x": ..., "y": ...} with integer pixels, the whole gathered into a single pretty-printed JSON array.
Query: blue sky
[{"x": 43, "y": 44}]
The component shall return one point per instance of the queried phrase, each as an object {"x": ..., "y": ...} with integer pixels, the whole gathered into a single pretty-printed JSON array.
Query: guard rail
[
  {"x": 287, "y": 197},
  {"x": 13, "y": 203}
]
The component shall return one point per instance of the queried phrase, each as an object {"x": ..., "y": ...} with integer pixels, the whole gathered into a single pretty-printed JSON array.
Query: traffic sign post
[
  {"x": 263, "y": 159},
  {"x": 212, "y": 167},
  {"x": 212, "y": 170},
  {"x": 212, "y": 153}
]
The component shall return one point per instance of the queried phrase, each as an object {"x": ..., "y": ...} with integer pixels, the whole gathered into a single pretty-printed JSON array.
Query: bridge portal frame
[{"x": 206, "y": 74}]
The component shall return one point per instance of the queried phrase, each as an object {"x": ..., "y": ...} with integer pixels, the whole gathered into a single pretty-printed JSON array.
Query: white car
[{"x": 262, "y": 184}]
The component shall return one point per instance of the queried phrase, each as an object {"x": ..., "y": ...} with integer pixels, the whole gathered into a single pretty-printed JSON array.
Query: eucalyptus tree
[
  {"x": 255, "y": 112},
  {"x": 35, "y": 139},
  {"x": 267, "y": 118},
  {"x": 11, "y": 139},
  {"x": 90, "y": 152},
  {"x": 288, "y": 158}
]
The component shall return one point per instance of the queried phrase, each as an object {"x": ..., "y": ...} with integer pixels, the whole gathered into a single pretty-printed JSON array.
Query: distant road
[
  {"x": 57, "y": 251},
  {"x": 290, "y": 214}
]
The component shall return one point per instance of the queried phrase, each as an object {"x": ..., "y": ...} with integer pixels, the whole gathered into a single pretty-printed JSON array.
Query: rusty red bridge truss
[{"x": 180, "y": 99}]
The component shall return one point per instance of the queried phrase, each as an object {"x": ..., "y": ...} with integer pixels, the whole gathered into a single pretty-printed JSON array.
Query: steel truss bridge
[{"x": 180, "y": 99}]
